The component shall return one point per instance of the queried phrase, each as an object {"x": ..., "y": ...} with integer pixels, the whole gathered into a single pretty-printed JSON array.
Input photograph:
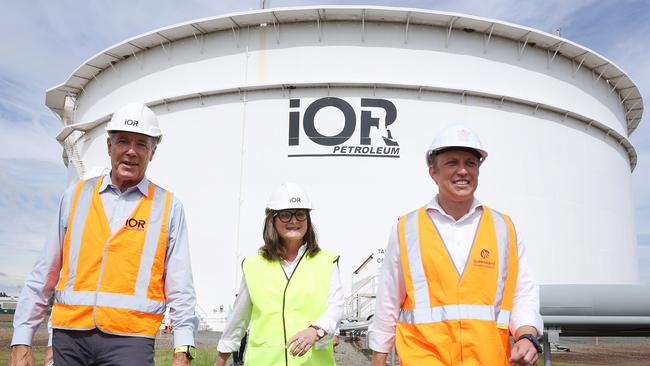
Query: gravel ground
[
  {"x": 583, "y": 351},
  {"x": 348, "y": 352},
  {"x": 620, "y": 351},
  {"x": 587, "y": 351}
]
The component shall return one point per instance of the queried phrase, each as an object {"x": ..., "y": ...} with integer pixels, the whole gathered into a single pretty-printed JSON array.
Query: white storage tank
[{"x": 345, "y": 101}]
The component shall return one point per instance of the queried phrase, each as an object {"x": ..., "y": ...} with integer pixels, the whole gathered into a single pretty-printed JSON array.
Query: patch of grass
[{"x": 204, "y": 357}]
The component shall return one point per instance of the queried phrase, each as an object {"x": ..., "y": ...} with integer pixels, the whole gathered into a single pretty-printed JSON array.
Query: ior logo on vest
[
  {"x": 332, "y": 126},
  {"x": 134, "y": 224},
  {"x": 485, "y": 261}
]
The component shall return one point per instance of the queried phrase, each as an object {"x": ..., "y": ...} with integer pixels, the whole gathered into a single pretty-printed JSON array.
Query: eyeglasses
[{"x": 286, "y": 215}]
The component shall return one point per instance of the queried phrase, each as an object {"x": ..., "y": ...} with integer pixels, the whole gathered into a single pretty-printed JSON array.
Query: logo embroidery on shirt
[
  {"x": 485, "y": 261},
  {"x": 134, "y": 224}
]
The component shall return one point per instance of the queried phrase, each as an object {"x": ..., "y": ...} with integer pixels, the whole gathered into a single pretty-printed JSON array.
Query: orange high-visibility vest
[
  {"x": 113, "y": 281},
  {"x": 450, "y": 318}
]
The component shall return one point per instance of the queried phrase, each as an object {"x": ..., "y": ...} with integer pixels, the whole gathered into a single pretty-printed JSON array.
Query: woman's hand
[{"x": 302, "y": 342}]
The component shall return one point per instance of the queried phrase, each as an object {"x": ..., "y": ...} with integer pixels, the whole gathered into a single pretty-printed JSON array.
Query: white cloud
[
  {"x": 28, "y": 205},
  {"x": 30, "y": 140}
]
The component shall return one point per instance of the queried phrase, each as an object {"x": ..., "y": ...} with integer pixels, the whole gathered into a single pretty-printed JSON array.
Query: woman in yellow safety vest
[{"x": 291, "y": 299}]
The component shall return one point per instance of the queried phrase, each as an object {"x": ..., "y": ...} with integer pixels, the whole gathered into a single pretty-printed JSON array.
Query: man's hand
[
  {"x": 523, "y": 353},
  {"x": 49, "y": 357},
  {"x": 180, "y": 359},
  {"x": 21, "y": 355},
  {"x": 379, "y": 359},
  {"x": 221, "y": 359}
]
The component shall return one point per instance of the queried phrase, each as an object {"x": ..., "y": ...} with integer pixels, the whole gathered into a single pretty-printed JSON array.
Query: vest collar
[
  {"x": 301, "y": 252},
  {"x": 434, "y": 205},
  {"x": 142, "y": 186}
]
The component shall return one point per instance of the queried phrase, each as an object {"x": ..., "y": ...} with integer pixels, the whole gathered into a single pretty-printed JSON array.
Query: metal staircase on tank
[
  {"x": 203, "y": 318},
  {"x": 360, "y": 308}
]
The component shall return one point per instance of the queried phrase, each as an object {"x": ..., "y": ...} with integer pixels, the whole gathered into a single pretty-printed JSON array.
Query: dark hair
[{"x": 274, "y": 249}]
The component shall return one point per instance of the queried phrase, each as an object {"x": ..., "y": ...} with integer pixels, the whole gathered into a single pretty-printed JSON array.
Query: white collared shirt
[
  {"x": 458, "y": 237},
  {"x": 240, "y": 317}
]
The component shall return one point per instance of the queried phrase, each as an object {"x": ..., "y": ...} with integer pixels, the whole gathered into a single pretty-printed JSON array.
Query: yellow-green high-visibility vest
[{"x": 283, "y": 306}]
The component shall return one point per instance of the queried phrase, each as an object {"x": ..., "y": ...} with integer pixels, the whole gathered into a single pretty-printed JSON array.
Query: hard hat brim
[
  {"x": 479, "y": 153},
  {"x": 108, "y": 128}
]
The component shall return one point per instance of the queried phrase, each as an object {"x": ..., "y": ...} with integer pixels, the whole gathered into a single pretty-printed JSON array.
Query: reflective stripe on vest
[
  {"x": 113, "y": 281},
  {"x": 284, "y": 306},
  {"x": 450, "y": 313}
]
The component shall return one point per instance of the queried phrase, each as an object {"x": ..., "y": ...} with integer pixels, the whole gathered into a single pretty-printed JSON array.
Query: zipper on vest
[
  {"x": 460, "y": 325},
  {"x": 99, "y": 281},
  {"x": 284, "y": 297},
  {"x": 471, "y": 248}
]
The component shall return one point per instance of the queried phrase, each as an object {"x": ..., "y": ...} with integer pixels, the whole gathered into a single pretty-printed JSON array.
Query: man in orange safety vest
[
  {"x": 454, "y": 285},
  {"x": 118, "y": 258}
]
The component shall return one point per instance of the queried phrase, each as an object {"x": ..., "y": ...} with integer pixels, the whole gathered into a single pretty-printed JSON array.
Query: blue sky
[{"x": 44, "y": 41}]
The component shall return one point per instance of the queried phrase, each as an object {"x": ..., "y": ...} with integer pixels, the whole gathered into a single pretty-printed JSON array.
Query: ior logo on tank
[
  {"x": 332, "y": 127},
  {"x": 134, "y": 224}
]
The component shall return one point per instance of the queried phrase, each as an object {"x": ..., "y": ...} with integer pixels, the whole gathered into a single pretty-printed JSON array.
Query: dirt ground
[
  {"x": 618, "y": 351},
  {"x": 583, "y": 351}
]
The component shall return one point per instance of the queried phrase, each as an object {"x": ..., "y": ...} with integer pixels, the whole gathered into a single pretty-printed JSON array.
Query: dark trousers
[{"x": 94, "y": 348}]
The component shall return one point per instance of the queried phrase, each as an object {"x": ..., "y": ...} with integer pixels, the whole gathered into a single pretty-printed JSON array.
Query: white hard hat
[
  {"x": 289, "y": 195},
  {"x": 135, "y": 117},
  {"x": 456, "y": 136}
]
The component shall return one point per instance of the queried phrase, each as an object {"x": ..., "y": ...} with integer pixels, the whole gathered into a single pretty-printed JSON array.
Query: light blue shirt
[{"x": 179, "y": 288}]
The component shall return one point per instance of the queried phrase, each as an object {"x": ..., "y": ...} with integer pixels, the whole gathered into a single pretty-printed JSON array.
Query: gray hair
[{"x": 154, "y": 140}]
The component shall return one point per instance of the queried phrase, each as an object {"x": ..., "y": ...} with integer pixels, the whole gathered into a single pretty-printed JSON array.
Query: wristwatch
[
  {"x": 319, "y": 331},
  {"x": 532, "y": 340},
  {"x": 189, "y": 351}
]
